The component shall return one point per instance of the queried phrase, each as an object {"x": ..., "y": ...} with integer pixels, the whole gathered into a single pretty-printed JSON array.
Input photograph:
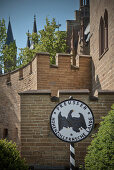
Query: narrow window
[
  {"x": 81, "y": 3},
  {"x": 101, "y": 37},
  {"x": 5, "y": 133},
  {"x": 87, "y": 2},
  {"x": 106, "y": 28}
]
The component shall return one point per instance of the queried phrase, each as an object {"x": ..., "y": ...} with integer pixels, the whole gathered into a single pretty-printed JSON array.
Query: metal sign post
[
  {"x": 72, "y": 152},
  {"x": 72, "y": 121},
  {"x": 72, "y": 156}
]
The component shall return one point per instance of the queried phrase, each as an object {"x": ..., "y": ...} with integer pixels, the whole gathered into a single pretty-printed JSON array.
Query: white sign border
[{"x": 77, "y": 101}]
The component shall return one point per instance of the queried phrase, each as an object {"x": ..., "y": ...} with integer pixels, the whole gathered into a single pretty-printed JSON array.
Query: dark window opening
[
  {"x": 5, "y": 133},
  {"x": 101, "y": 37},
  {"x": 103, "y": 34},
  {"x": 106, "y": 28}
]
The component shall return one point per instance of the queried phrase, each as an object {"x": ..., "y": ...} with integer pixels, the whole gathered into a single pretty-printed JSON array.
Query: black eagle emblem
[{"x": 70, "y": 121}]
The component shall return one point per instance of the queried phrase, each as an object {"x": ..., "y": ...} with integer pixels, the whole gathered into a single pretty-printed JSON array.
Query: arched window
[
  {"x": 103, "y": 34},
  {"x": 106, "y": 29},
  {"x": 101, "y": 37}
]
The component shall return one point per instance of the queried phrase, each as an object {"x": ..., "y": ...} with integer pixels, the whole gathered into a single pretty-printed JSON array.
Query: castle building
[
  {"x": 29, "y": 94},
  {"x": 10, "y": 39},
  {"x": 76, "y": 39}
]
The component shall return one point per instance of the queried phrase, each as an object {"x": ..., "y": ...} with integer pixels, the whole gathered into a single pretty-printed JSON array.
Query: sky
[{"x": 21, "y": 13}]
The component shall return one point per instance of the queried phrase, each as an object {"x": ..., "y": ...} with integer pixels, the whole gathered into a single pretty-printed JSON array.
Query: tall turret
[
  {"x": 34, "y": 31},
  {"x": 9, "y": 34},
  {"x": 34, "y": 25},
  {"x": 84, "y": 21},
  {"x": 84, "y": 2},
  {"x": 28, "y": 40}
]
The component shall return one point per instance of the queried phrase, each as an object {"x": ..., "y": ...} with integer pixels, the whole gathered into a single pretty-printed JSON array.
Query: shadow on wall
[
  {"x": 95, "y": 81},
  {"x": 9, "y": 122}
]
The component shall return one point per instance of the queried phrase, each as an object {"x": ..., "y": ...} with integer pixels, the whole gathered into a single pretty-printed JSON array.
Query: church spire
[
  {"x": 28, "y": 40},
  {"x": 9, "y": 34},
  {"x": 34, "y": 26}
]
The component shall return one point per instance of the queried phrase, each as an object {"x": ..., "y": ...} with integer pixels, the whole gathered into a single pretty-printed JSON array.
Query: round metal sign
[{"x": 72, "y": 120}]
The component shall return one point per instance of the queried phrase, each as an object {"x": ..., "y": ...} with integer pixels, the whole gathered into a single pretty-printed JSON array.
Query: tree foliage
[
  {"x": 101, "y": 151},
  {"x": 10, "y": 158},
  {"x": 7, "y": 52},
  {"x": 2, "y": 40},
  {"x": 2, "y": 35},
  {"x": 9, "y": 57},
  {"x": 48, "y": 40}
]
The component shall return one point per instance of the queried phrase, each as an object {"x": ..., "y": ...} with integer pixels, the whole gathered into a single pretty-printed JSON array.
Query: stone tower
[
  {"x": 76, "y": 28},
  {"x": 84, "y": 21}
]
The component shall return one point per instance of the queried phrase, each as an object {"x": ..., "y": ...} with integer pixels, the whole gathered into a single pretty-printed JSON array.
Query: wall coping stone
[
  {"x": 64, "y": 54},
  {"x": 105, "y": 92},
  {"x": 78, "y": 91},
  {"x": 42, "y": 53},
  {"x": 86, "y": 56},
  {"x": 35, "y": 92}
]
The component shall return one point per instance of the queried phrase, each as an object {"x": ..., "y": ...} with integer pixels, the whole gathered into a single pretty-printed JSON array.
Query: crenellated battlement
[
  {"x": 39, "y": 74},
  {"x": 29, "y": 94}
]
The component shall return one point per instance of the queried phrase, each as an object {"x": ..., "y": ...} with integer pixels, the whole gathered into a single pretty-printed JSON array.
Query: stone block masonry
[
  {"x": 38, "y": 143},
  {"x": 38, "y": 74},
  {"x": 102, "y": 66},
  {"x": 63, "y": 75}
]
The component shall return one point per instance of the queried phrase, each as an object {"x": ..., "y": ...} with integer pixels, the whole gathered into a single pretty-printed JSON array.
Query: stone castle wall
[
  {"x": 103, "y": 68},
  {"x": 38, "y": 144},
  {"x": 10, "y": 85},
  {"x": 38, "y": 74}
]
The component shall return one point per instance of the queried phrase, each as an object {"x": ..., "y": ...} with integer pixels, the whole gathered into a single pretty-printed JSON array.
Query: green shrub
[
  {"x": 10, "y": 158},
  {"x": 100, "y": 154}
]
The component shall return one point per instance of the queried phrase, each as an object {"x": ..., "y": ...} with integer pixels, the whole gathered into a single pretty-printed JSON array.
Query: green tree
[
  {"x": 49, "y": 40},
  {"x": 7, "y": 52},
  {"x": 25, "y": 56},
  {"x": 2, "y": 40},
  {"x": 2, "y": 35},
  {"x": 10, "y": 158},
  {"x": 101, "y": 151},
  {"x": 9, "y": 56}
]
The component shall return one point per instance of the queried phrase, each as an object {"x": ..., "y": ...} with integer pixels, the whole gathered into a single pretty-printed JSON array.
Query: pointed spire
[
  {"x": 58, "y": 25},
  {"x": 28, "y": 40},
  {"x": 9, "y": 34},
  {"x": 34, "y": 26}
]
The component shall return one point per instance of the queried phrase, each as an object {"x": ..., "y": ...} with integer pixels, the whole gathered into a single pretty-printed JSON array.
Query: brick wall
[
  {"x": 10, "y": 85},
  {"x": 38, "y": 144},
  {"x": 38, "y": 74},
  {"x": 103, "y": 69},
  {"x": 63, "y": 75}
]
